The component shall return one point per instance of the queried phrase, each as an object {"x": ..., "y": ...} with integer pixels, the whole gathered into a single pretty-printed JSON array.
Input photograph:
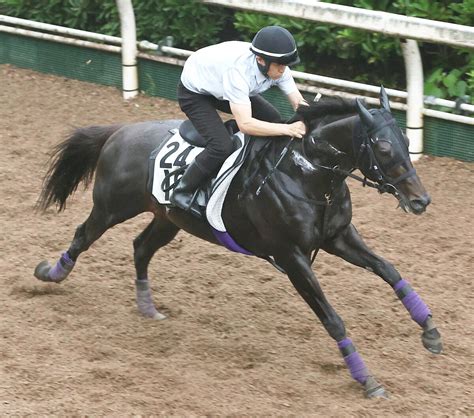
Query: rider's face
[{"x": 276, "y": 70}]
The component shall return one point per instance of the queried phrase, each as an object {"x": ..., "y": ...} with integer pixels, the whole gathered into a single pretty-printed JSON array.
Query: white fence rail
[
  {"x": 370, "y": 20},
  {"x": 112, "y": 44}
]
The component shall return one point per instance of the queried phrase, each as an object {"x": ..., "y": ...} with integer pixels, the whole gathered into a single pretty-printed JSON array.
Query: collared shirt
[{"x": 229, "y": 71}]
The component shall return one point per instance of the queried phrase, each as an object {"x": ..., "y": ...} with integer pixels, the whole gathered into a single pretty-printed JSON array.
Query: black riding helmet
[{"x": 274, "y": 44}]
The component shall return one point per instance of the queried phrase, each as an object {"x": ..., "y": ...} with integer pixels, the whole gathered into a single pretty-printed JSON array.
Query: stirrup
[{"x": 190, "y": 207}]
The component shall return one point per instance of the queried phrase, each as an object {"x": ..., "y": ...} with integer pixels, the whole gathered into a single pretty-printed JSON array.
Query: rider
[{"x": 229, "y": 77}]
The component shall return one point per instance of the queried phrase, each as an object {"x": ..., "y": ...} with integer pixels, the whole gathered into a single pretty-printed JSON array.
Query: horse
[{"x": 288, "y": 201}]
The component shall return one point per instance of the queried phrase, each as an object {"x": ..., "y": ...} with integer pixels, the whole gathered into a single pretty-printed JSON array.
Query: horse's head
[{"x": 381, "y": 152}]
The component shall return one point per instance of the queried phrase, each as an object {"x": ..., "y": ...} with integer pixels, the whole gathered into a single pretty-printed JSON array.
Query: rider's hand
[{"x": 296, "y": 129}]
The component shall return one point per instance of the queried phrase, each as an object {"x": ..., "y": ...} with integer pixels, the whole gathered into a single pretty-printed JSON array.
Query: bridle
[{"x": 363, "y": 141}]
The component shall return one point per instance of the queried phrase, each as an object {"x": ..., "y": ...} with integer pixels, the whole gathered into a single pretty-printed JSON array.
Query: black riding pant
[{"x": 201, "y": 111}]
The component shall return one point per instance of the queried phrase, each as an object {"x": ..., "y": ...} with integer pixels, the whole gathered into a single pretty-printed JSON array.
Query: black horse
[{"x": 288, "y": 200}]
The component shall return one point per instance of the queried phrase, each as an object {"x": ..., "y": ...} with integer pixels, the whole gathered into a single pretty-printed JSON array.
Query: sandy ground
[{"x": 238, "y": 340}]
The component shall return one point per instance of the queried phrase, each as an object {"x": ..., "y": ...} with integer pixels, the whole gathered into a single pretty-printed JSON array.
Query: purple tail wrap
[
  {"x": 62, "y": 268},
  {"x": 418, "y": 309},
  {"x": 354, "y": 362}
]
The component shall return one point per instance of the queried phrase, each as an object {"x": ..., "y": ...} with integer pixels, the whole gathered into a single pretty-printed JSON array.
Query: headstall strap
[{"x": 388, "y": 122}]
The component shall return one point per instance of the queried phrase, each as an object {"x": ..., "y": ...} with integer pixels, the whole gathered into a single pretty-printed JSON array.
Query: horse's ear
[
  {"x": 364, "y": 114},
  {"x": 384, "y": 102}
]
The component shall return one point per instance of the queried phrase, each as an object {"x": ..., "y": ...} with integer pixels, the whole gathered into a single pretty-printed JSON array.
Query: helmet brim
[{"x": 290, "y": 59}]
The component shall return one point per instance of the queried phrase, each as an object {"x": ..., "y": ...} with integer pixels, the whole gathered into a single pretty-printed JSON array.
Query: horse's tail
[{"x": 72, "y": 161}]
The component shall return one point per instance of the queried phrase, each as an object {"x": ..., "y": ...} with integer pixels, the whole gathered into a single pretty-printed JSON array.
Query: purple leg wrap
[
  {"x": 62, "y": 268},
  {"x": 354, "y": 362},
  {"x": 145, "y": 300},
  {"x": 412, "y": 301}
]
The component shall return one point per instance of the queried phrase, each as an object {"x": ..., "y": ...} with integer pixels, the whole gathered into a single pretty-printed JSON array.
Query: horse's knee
[{"x": 335, "y": 326}]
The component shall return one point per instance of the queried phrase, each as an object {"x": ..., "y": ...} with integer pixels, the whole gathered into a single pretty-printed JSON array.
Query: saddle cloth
[{"x": 166, "y": 168}]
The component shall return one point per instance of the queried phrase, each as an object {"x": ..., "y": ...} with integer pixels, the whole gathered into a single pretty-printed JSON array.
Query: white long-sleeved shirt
[{"x": 229, "y": 71}]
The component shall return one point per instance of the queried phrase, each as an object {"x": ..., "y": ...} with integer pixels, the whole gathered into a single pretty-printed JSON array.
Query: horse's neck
[
  {"x": 309, "y": 163},
  {"x": 337, "y": 137},
  {"x": 300, "y": 164}
]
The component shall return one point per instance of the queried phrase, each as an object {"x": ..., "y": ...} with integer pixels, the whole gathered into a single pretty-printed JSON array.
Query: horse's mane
[{"x": 327, "y": 106}]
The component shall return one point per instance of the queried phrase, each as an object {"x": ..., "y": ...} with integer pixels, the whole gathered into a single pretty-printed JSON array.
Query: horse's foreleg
[
  {"x": 301, "y": 275},
  {"x": 350, "y": 246},
  {"x": 156, "y": 235},
  {"x": 85, "y": 235}
]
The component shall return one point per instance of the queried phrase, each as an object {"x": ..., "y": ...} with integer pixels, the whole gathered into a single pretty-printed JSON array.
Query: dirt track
[{"x": 238, "y": 340}]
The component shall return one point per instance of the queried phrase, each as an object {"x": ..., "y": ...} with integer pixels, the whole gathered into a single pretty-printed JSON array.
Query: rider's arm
[
  {"x": 288, "y": 87},
  {"x": 251, "y": 126},
  {"x": 296, "y": 99}
]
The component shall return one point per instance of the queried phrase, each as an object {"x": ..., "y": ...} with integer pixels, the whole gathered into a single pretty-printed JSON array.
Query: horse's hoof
[
  {"x": 431, "y": 340},
  {"x": 42, "y": 271},
  {"x": 159, "y": 316},
  {"x": 374, "y": 389}
]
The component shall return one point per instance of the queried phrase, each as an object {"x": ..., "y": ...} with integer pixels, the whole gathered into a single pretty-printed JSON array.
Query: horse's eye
[{"x": 384, "y": 148}]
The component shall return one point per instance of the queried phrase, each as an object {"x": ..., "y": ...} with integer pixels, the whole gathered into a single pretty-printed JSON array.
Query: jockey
[{"x": 230, "y": 77}]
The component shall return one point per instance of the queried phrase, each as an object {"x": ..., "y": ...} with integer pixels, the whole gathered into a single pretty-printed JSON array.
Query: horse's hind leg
[
  {"x": 88, "y": 232},
  {"x": 157, "y": 234}
]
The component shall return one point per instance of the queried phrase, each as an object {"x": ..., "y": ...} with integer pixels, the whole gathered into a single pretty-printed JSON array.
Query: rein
[
  {"x": 273, "y": 169},
  {"x": 280, "y": 159},
  {"x": 337, "y": 170},
  {"x": 346, "y": 173}
]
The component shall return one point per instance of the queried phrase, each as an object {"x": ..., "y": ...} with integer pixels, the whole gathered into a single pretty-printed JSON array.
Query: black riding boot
[{"x": 183, "y": 194}]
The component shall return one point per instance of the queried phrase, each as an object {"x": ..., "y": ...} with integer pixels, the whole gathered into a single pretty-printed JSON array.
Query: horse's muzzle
[{"x": 418, "y": 205}]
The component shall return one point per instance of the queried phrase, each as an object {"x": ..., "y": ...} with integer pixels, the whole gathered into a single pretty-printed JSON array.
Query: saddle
[{"x": 170, "y": 160}]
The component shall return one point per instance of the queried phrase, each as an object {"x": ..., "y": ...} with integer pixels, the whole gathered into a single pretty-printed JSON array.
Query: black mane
[{"x": 327, "y": 106}]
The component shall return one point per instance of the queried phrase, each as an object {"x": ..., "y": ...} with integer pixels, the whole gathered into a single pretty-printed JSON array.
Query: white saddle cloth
[{"x": 176, "y": 153}]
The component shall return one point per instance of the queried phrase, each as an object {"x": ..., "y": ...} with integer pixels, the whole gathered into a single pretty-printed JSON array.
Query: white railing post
[
  {"x": 414, "y": 73},
  {"x": 129, "y": 49}
]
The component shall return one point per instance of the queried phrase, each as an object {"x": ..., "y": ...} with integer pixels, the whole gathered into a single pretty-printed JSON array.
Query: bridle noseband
[{"x": 365, "y": 152}]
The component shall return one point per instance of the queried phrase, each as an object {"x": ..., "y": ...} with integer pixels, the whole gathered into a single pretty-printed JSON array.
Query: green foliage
[
  {"x": 374, "y": 58},
  {"x": 192, "y": 24},
  {"x": 325, "y": 49},
  {"x": 463, "y": 12}
]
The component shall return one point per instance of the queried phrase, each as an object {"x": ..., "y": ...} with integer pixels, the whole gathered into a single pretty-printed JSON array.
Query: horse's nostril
[
  {"x": 424, "y": 200},
  {"x": 421, "y": 203}
]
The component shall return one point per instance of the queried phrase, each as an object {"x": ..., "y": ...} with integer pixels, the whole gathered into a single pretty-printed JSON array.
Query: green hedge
[{"x": 325, "y": 49}]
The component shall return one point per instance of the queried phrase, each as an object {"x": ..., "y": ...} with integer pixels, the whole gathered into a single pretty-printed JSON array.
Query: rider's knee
[{"x": 223, "y": 149}]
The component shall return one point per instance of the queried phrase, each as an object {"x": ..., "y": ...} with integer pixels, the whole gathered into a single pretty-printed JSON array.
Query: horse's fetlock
[
  {"x": 431, "y": 339},
  {"x": 432, "y": 333},
  {"x": 429, "y": 324}
]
